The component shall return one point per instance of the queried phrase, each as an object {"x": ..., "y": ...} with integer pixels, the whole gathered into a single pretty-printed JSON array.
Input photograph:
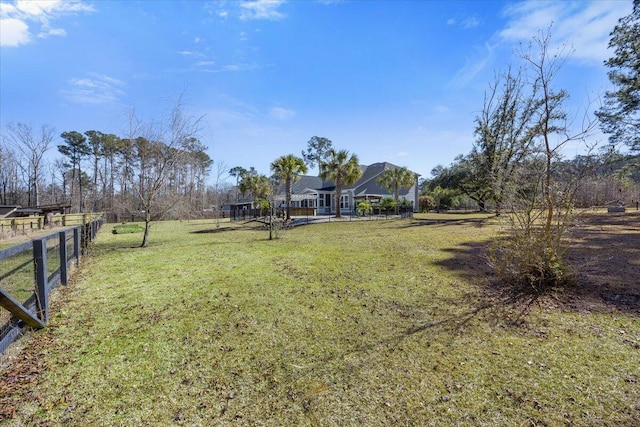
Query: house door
[{"x": 324, "y": 203}]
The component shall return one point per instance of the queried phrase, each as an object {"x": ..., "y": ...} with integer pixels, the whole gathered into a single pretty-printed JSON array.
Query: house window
[
  {"x": 344, "y": 201},
  {"x": 324, "y": 200}
]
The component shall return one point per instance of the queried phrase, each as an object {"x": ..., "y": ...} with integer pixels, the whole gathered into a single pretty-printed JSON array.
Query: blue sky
[{"x": 397, "y": 81}]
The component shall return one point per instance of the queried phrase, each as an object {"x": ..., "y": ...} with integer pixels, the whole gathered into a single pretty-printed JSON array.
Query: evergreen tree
[{"x": 620, "y": 114}]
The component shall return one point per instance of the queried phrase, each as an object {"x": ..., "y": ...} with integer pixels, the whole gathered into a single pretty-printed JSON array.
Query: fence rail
[
  {"x": 28, "y": 224},
  {"x": 29, "y": 271}
]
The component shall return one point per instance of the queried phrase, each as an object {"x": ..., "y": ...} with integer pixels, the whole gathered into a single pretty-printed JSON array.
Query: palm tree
[
  {"x": 258, "y": 186},
  {"x": 396, "y": 178},
  {"x": 342, "y": 170},
  {"x": 288, "y": 169}
]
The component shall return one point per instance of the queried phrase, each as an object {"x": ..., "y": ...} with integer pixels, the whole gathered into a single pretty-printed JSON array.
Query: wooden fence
[
  {"x": 25, "y": 225},
  {"x": 29, "y": 271}
]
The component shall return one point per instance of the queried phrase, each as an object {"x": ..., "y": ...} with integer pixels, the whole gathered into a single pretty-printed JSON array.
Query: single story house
[{"x": 315, "y": 193}]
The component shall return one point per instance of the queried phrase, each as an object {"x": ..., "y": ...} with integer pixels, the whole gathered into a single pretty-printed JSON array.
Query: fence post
[
  {"x": 76, "y": 245},
  {"x": 40, "y": 260},
  {"x": 63, "y": 257},
  {"x": 86, "y": 236}
]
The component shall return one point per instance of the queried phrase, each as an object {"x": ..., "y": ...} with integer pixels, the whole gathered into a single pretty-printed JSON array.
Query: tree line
[{"x": 100, "y": 171}]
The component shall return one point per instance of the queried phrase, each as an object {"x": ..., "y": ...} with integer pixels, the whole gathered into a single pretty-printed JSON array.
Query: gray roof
[
  {"x": 306, "y": 182},
  {"x": 367, "y": 184}
]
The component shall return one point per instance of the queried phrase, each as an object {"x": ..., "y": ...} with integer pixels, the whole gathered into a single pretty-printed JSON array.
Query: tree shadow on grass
[
  {"x": 445, "y": 221},
  {"x": 252, "y": 225},
  {"x": 217, "y": 230},
  {"x": 605, "y": 258}
]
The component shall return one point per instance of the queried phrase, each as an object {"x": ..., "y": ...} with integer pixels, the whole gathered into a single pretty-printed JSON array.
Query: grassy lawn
[
  {"x": 373, "y": 323},
  {"x": 19, "y": 269}
]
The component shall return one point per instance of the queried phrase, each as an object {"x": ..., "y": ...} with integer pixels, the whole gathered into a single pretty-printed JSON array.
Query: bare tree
[
  {"x": 219, "y": 185},
  {"x": 160, "y": 148},
  {"x": 542, "y": 205},
  {"x": 31, "y": 149},
  {"x": 8, "y": 174}
]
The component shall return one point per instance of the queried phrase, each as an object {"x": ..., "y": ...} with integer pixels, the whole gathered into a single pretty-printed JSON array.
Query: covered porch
[{"x": 301, "y": 204}]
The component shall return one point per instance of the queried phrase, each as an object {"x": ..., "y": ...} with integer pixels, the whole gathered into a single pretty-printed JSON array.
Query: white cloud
[
  {"x": 205, "y": 63},
  {"x": 470, "y": 23},
  {"x": 245, "y": 9},
  {"x": 13, "y": 32},
  {"x": 441, "y": 109},
  {"x": 51, "y": 32},
  {"x": 583, "y": 27},
  {"x": 279, "y": 113},
  {"x": 21, "y": 19},
  {"x": 261, "y": 9},
  {"x": 466, "y": 23},
  {"x": 98, "y": 89},
  {"x": 402, "y": 154},
  {"x": 36, "y": 8},
  {"x": 206, "y": 66}
]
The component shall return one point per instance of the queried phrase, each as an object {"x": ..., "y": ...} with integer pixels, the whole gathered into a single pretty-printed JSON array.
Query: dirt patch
[{"x": 605, "y": 256}]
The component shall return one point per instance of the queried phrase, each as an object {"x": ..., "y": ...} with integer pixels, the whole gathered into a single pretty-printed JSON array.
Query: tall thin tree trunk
[{"x": 147, "y": 226}]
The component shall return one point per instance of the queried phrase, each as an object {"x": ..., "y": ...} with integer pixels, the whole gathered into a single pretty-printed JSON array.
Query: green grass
[
  {"x": 127, "y": 228},
  {"x": 21, "y": 283},
  {"x": 372, "y": 323}
]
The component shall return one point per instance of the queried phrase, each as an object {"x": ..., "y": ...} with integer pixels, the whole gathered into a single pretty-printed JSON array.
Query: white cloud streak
[
  {"x": 474, "y": 66},
  {"x": 583, "y": 27},
  {"x": 97, "y": 89},
  {"x": 279, "y": 113},
  {"x": 261, "y": 9},
  {"x": 580, "y": 28}
]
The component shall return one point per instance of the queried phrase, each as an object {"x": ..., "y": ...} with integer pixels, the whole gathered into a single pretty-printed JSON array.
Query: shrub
[
  {"x": 528, "y": 263},
  {"x": 363, "y": 208}
]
